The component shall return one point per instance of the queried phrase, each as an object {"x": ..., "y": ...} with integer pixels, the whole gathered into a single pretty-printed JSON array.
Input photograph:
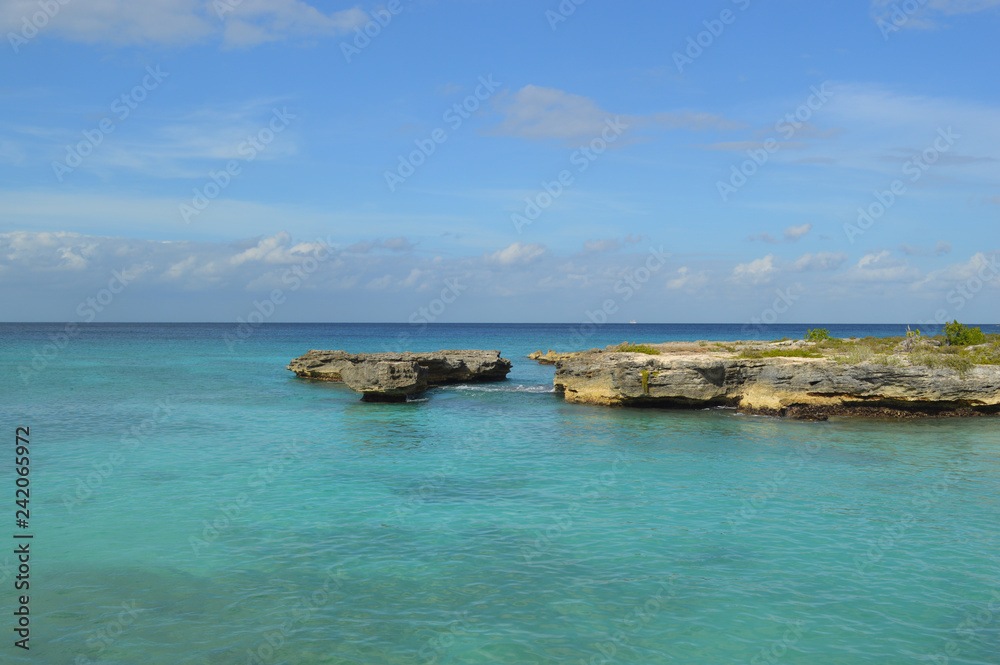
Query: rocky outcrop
[
  {"x": 385, "y": 380},
  {"x": 549, "y": 358},
  {"x": 812, "y": 388},
  {"x": 391, "y": 377}
]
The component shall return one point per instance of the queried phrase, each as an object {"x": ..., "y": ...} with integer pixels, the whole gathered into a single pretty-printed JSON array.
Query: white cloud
[
  {"x": 539, "y": 113},
  {"x": 881, "y": 267},
  {"x": 399, "y": 244},
  {"x": 796, "y": 232},
  {"x": 46, "y": 274},
  {"x": 534, "y": 112},
  {"x": 755, "y": 272},
  {"x": 873, "y": 259},
  {"x": 184, "y": 22},
  {"x": 412, "y": 278},
  {"x": 276, "y": 250},
  {"x": 790, "y": 234},
  {"x": 886, "y": 128},
  {"x": 686, "y": 279},
  {"x": 940, "y": 248},
  {"x": 980, "y": 268},
  {"x": 764, "y": 237},
  {"x": 379, "y": 284},
  {"x": 258, "y": 21},
  {"x": 742, "y": 146},
  {"x": 928, "y": 15},
  {"x": 610, "y": 245},
  {"x": 179, "y": 269},
  {"x": 518, "y": 253},
  {"x": 823, "y": 261}
]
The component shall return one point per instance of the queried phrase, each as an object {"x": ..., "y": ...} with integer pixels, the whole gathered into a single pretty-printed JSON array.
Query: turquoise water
[{"x": 193, "y": 502}]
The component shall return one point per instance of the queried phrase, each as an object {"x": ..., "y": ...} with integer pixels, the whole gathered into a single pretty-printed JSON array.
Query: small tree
[
  {"x": 912, "y": 337},
  {"x": 957, "y": 334},
  {"x": 817, "y": 335}
]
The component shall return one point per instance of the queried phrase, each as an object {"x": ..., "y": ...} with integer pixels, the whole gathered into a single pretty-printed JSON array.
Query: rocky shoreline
[
  {"x": 703, "y": 374},
  {"x": 392, "y": 377},
  {"x": 791, "y": 378}
]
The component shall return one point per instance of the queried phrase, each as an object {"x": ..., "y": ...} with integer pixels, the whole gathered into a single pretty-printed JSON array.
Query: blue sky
[{"x": 531, "y": 161}]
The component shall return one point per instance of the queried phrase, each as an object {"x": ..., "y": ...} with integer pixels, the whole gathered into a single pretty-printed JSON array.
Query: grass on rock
[{"x": 625, "y": 347}]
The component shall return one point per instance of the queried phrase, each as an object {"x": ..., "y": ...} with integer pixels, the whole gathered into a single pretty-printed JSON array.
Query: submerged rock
[{"x": 391, "y": 377}]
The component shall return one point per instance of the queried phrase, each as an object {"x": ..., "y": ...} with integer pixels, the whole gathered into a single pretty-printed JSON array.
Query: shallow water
[{"x": 254, "y": 513}]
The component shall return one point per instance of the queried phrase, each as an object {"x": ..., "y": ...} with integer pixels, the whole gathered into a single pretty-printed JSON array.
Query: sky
[{"x": 500, "y": 161}]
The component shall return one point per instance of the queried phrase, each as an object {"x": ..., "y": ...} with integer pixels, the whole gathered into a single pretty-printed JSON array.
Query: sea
[{"x": 192, "y": 502}]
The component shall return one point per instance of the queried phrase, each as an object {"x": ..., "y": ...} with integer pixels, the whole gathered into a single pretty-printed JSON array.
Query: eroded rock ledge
[
  {"x": 391, "y": 377},
  {"x": 699, "y": 375}
]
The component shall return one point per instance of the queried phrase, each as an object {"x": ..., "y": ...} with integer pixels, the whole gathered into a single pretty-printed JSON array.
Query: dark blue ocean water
[{"x": 193, "y": 502}]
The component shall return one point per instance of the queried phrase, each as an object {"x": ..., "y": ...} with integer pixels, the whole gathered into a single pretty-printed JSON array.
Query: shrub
[
  {"x": 912, "y": 337},
  {"x": 961, "y": 364},
  {"x": 957, "y": 334},
  {"x": 817, "y": 335},
  {"x": 856, "y": 355},
  {"x": 988, "y": 356},
  {"x": 637, "y": 348}
]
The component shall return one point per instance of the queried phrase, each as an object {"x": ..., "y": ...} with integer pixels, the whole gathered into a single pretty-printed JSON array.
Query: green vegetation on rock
[
  {"x": 779, "y": 353},
  {"x": 817, "y": 335},
  {"x": 957, "y": 334},
  {"x": 961, "y": 363},
  {"x": 625, "y": 347}
]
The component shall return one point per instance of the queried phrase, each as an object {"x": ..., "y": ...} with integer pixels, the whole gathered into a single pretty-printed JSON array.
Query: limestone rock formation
[
  {"x": 549, "y": 358},
  {"x": 394, "y": 376},
  {"x": 385, "y": 380},
  {"x": 800, "y": 387}
]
